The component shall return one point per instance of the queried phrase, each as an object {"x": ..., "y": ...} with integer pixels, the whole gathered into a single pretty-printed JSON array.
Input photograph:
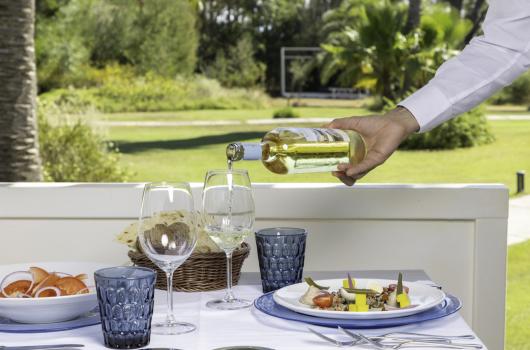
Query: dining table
[{"x": 245, "y": 327}]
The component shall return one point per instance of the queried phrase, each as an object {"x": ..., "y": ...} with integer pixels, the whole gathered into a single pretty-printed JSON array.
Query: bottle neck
[{"x": 243, "y": 151}]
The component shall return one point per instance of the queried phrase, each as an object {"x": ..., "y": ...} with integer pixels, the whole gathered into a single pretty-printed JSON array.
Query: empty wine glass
[
  {"x": 228, "y": 208},
  {"x": 167, "y": 234}
]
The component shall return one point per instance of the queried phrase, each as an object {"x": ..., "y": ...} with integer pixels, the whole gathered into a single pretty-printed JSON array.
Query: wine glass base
[
  {"x": 232, "y": 304},
  {"x": 172, "y": 328}
]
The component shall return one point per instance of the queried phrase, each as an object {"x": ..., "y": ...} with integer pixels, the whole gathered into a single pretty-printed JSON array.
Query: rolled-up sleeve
[{"x": 488, "y": 63}]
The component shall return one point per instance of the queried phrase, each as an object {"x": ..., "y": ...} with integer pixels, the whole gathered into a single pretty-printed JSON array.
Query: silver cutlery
[
  {"x": 414, "y": 336},
  {"x": 398, "y": 343},
  {"x": 42, "y": 347},
  {"x": 455, "y": 337},
  {"x": 338, "y": 343},
  {"x": 386, "y": 341}
]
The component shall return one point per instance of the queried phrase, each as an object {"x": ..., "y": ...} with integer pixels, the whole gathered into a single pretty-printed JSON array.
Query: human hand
[{"x": 382, "y": 135}]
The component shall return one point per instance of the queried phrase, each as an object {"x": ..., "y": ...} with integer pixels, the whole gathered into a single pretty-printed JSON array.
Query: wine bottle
[{"x": 301, "y": 150}]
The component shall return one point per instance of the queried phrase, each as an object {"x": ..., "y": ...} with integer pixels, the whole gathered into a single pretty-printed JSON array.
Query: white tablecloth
[{"x": 228, "y": 328}]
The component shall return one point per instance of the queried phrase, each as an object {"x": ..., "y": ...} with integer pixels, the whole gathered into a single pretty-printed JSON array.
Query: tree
[
  {"x": 271, "y": 24},
  {"x": 19, "y": 152},
  {"x": 159, "y": 36},
  {"x": 413, "y": 16},
  {"x": 476, "y": 15},
  {"x": 457, "y": 4},
  {"x": 374, "y": 51},
  {"x": 237, "y": 68},
  {"x": 163, "y": 37}
]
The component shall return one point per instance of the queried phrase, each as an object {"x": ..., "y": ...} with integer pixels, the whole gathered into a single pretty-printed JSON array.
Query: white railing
[{"x": 456, "y": 233}]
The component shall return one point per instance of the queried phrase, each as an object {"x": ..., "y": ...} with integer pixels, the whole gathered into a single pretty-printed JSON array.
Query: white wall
[{"x": 456, "y": 233}]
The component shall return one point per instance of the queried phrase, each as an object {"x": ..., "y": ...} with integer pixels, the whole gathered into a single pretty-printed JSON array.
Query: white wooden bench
[{"x": 456, "y": 233}]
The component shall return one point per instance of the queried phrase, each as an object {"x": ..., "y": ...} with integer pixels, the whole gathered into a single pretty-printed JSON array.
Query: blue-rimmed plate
[
  {"x": 89, "y": 319},
  {"x": 448, "y": 306}
]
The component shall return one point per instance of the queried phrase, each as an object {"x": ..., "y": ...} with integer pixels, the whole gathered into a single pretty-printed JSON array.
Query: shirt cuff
[{"x": 429, "y": 106}]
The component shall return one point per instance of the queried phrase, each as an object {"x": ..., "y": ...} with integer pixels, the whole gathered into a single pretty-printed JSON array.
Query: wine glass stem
[
  {"x": 229, "y": 295},
  {"x": 170, "y": 318}
]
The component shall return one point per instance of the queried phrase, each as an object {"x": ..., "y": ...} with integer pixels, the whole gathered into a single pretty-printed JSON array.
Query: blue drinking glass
[
  {"x": 281, "y": 252},
  {"x": 126, "y": 299}
]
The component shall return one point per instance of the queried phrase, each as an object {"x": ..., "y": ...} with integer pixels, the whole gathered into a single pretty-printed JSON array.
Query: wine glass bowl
[
  {"x": 167, "y": 234},
  {"x": 228, "y": 208}
]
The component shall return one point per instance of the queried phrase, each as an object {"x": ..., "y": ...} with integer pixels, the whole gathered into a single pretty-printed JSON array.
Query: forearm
[{"x": 487, "y": 64}]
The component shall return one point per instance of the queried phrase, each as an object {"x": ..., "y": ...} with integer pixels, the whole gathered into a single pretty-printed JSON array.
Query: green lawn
[
  {"x": 185, "y": 153},
  {"x": 518, "y": 298}
]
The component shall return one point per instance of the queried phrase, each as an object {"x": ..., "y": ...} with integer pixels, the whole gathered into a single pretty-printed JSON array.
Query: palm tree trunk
[
  {"x": 19, "y": 151},
  {"x": 413, "y": 17},
  {"x": 457, "y": 4},
  {"x": 477, "y": 16},
  {"x": 475, "y": 13}
]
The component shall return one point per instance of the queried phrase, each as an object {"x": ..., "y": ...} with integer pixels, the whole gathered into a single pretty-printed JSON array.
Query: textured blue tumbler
[
  {"x": 281, "y": 253},
  {"x": 126, "y": 297}
]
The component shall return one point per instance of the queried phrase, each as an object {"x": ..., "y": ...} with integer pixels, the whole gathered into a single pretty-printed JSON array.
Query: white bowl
[{"x": 54, "y": 309}]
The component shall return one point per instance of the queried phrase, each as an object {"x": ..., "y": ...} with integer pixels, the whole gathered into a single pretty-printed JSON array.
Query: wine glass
[
  {"x": 228, "y": 208},
  {"x": 168, "y": 233}
]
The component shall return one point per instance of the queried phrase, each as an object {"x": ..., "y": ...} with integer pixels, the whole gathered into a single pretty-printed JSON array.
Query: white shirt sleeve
[{"x": 488, "y": 63}]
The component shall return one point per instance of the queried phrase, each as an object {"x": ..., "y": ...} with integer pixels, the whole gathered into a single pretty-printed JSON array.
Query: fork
[
  {"x": 397, "y": 342},
  {"x": 425, "y": 337},
  {"x": 453, "y": 337},
  {"x": 338, "y": 343},
  {"x": 360, "y": 339},
  {"x": 409, "y": 342}
]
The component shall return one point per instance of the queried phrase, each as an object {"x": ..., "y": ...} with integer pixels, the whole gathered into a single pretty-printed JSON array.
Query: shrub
[
  {"x": 237, "y": 68},
  {"x": 286, "y": 112},
  {"x": 73, "y": 151},
  {"x": 470, "y": 129},
  {"x": 119, "y": 90},
  {"x": 516, "y": 93},
  {"x": 159, "y": 36}
]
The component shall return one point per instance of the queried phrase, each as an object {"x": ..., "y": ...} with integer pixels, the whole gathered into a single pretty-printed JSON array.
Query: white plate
[
  {"x": 424, "y": 297},
  {"x": 55, "y": 309}
]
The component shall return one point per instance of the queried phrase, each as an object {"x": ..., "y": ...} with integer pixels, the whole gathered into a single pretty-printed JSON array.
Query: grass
[
  {"x": 185, "y": 153},
  {"x": 518, "y": 298},
  {"x": 506, "y": 109}
]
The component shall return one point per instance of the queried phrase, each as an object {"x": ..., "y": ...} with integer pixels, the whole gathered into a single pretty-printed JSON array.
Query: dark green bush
[
  {"x": 74, "y": 152},
  {"x": 237, "y": 67},
  {"x": 470, "y": 129},
  {"x": 517, "y": 93},
  {"x": 286, "y": 112}
]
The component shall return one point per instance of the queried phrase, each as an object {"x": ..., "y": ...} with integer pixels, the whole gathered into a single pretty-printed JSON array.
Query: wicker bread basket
[{"x": 200, "y": 272}]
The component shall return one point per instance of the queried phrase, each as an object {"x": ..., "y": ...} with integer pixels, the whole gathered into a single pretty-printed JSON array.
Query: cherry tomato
[{"x": 323, "y": 300}]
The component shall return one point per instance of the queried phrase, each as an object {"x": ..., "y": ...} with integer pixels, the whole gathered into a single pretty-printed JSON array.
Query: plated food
[
  {"x": 368, "y": 299},
  {"x": 36, "y": 282},
  {"x": 47, "y": 292},
  {"x": 348, "y": 298}
]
